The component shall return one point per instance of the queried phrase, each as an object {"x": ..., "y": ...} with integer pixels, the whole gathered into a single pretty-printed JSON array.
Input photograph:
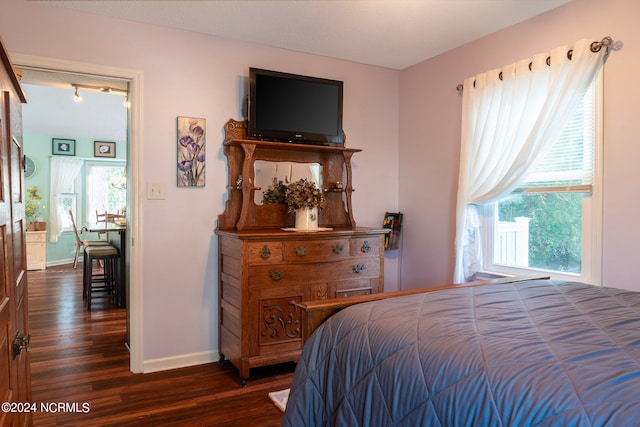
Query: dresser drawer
[
  {"x": 365, "y": 247},
  {"x": 315, "y": 272},
  {"x": 284, "y": 274},
  {"x": 351, "y": 288},
  {"x": 264, "y": 252},
  {"x": 36, "y": 237},
  {"x": 316, "y": 250}
]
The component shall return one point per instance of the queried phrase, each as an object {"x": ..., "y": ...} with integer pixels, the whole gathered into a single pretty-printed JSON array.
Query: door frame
[{"x": 134, "y": 163}]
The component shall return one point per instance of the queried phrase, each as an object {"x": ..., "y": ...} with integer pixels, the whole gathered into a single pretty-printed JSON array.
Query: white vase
[{"x": 307, "y": 219}]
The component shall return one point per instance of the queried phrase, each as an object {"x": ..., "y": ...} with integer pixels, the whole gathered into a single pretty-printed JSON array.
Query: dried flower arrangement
[{"x": 304, "y": 194}]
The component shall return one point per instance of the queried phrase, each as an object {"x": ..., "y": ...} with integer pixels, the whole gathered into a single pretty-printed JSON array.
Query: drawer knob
[
  {"x": 276, "y": 275},
  {"x": 265, "y": 253},
  {"x": 358, "y": 268},
  {"x": 301, "y": 251},
  {"x": 338, "y": 248},
  {"x": 365, "y": 248}
]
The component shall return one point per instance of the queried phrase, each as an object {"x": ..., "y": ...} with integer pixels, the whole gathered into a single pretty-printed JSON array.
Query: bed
[{"x": 537, "y": 352}]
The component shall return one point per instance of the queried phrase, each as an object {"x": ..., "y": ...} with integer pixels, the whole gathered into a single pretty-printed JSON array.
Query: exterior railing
[{"x": 512, "y": 243}]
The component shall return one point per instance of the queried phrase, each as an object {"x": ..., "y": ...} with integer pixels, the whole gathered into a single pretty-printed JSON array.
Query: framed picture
[
  {"x": 191, "y": 152},
  {"x": 104, "y": 149},
  {"x": 63, "y": 147}
]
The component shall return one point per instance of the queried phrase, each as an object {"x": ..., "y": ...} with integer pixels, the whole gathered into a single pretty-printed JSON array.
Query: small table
[
  {"x": 120, "y": 243},
  {"x": 36, "y": 250}
]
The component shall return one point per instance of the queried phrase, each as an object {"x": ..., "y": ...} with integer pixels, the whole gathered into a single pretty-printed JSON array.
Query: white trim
[
  {"x": 135, "y": 239},
  {"x": 597, "y": 210},
  {"x": 181, "y": 361}
]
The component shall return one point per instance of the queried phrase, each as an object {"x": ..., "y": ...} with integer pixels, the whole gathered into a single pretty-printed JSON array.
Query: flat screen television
[{"x": 294, "y": 108}]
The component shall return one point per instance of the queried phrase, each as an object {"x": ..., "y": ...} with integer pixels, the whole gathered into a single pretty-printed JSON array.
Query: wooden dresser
[{"x": 265, "y": 269}]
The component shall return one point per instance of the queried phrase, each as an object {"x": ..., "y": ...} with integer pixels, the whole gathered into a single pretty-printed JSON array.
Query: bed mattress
[{"x": 542, "y": 353}]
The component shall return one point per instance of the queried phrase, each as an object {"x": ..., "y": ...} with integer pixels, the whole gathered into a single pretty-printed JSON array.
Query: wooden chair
[
  {"x": 80, "y": 244},
  {"x": 102, "y": 217},
  {"x": 116, "y": 217}
]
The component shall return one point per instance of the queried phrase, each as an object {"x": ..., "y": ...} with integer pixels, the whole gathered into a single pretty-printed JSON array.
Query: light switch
[{"x": 155, "y": 191}]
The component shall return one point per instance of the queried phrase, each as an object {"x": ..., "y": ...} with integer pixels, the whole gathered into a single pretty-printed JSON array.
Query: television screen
[{"x": 294, "y": 108}]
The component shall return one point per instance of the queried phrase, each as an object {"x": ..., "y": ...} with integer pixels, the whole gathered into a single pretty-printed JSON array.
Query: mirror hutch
[{"x": 266, "y": 268}]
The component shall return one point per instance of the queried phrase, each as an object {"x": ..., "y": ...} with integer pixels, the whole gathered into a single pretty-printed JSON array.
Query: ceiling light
[
  {"x": 101, "y": 89},
  {"x": 76, "y": 95}
]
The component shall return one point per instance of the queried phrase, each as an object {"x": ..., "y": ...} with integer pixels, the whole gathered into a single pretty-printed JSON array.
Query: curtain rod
[{"x": 595, "y": 47}]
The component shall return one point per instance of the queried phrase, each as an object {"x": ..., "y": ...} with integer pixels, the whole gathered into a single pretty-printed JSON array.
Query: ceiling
[
  {"x": 387, "y": 33},
  {"x": 52, "y": 111}
]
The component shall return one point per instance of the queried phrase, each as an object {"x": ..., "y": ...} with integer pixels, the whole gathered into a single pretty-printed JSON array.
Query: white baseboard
[
  {"x": 61, "y": 262},
  {"x": 182, "y": 361}
]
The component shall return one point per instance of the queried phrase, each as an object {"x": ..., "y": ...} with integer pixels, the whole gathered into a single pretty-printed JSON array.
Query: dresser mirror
[
  {"x": 252, "y": 165},
  {"x": 266, "y": 173}
]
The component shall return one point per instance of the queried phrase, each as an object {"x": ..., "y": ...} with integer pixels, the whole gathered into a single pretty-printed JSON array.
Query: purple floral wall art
[{"x": 191, "y": 152}]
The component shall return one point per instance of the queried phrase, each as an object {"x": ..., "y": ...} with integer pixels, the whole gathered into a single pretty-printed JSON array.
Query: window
[
  {"x": 106, "y": 188},
  {"x": 552, "y": 222},
  {"x": 68, "y": 201}
]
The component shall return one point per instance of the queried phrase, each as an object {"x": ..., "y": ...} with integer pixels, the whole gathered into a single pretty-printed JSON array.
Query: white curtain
[
  {"x": 64, "y": 171},
  {"x": 506, "y": 127}
]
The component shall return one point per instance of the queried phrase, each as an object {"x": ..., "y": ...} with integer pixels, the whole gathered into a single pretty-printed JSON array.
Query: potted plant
[
  {"x": 33, "y": 209},
  {"x": 304, "y": 199}
]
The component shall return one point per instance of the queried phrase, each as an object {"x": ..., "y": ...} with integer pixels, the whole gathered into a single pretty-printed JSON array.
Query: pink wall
[
  {"x": 406, "y": 122},
  {"x": 190, "y": 74},
  {"x": 430, "y": 135}
]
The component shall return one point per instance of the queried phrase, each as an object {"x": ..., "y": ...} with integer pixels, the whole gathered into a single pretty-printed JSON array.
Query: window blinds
[{"x": 568, "y": 164}]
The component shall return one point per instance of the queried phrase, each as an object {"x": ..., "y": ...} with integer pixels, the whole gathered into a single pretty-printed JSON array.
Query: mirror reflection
[{"x": 268, "y": 173}]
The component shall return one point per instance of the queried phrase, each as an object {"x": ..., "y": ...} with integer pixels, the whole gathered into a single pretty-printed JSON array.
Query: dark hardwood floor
[{"x": 80, "y": 357}]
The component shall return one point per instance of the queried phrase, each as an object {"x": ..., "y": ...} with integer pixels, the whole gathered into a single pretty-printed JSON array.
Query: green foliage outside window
[{"x": 555, "y": 229}]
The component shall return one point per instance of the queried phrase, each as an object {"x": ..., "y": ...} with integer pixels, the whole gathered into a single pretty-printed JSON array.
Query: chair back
[
  {"x": 75, "y": 229},
  {"x": 115, "y": 217},
  {"x": 101, "y": 217}
]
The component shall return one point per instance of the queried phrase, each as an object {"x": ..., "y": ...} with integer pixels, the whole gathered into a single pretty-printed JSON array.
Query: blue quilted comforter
[{"x": 533, "y": 353}]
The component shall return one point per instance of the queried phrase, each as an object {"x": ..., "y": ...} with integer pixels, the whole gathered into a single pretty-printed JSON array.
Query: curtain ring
[
  {"x": 570, "y": 54},
  {"x": 500, "y": 75},
  {"x": 549, "y": 61},
  {"x": 596, "y": 46}
]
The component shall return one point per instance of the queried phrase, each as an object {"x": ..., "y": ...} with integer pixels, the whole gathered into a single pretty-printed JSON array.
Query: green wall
[{"x": 39, "y": 149}]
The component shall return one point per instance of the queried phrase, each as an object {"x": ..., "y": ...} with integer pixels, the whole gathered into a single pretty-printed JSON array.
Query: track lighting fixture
[
  {"x": 76, "y": 95},
  {"x": 102, "y": 89}
]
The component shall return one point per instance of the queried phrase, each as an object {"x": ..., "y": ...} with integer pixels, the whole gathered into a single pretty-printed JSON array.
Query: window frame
[
  {"x": 75, "y": 194},
  {"x": 88, "y": 166},
  {"x": 592, "y": 212}
]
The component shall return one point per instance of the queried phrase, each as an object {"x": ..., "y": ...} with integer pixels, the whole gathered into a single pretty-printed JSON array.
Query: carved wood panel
[{"x": 281, "y": 320}]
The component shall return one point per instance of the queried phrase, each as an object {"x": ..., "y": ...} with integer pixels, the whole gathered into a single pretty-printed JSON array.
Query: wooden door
[{"x": 15, "y": 381}]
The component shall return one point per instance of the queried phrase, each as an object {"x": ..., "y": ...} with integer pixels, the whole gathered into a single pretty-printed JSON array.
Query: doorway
[{"x": 95, "y": 76}]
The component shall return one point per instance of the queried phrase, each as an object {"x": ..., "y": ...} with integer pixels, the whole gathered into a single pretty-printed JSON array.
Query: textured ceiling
[{"x": 387, "y": 33}]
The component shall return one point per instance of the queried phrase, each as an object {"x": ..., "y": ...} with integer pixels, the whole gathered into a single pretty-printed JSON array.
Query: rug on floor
[{"x": 280, "y": 398}]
